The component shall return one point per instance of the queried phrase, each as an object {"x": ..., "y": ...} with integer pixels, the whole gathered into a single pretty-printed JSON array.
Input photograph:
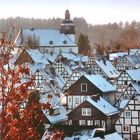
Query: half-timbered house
[
  {"x": 125, "y": 79},
  {"x": 52, "y": 95},
  {"x": 31, "y": 56},
  {"x": 95, "y": 112},
  {"x": 87, "y": 86},
  {"x": 128, "y": 122},
  {"x": 105, "y": 68},
  {"x": 66, "y": 63},
  {"x": 77, "y": 73}
]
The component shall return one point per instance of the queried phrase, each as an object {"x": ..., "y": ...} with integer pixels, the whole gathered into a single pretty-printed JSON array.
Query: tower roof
[{"x": 67, "y": 18}]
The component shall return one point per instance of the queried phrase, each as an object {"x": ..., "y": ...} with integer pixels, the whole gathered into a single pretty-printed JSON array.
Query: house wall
[
  {"x": 75, "y": 89},
  {"x": 132, "y": 122},
  {"x": 24, "y": 58},
  {"x": 57, "y": 49},
  {"x": 74, "y": 101},
  {"x": 76, "y": 116},
  {"x": 95, "y": 114}
]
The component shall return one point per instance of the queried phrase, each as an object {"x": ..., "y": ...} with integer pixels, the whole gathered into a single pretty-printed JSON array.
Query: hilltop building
[{"x": 50, "y": 40}]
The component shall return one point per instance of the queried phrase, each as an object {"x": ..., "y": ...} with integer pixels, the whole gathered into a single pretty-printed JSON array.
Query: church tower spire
[{"x": 67, "y": 26}]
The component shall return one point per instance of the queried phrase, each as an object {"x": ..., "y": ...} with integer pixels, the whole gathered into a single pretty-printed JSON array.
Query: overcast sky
[{"x": 94, "y": 11}]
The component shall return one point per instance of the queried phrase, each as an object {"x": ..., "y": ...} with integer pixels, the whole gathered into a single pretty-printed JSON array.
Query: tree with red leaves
[{"x": 21, "y": 114}]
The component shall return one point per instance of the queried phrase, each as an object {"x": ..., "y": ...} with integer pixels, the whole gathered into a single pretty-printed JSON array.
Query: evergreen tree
[{"x": 84, "y": 45}]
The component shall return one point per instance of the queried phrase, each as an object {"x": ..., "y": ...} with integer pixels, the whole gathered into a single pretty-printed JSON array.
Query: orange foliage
[{"x": 21, "y": 114}]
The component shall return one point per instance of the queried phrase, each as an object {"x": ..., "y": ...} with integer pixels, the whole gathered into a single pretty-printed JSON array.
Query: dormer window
[
  {"x": 64, "y": 42},
  {"x": 51, "y": 42},
  {"x": 83, "y": 87},
  {"x": 127, "y": 114}
]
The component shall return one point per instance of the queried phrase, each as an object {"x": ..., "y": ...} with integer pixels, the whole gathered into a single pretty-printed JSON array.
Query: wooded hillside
[{"x": 117, "y": 35}]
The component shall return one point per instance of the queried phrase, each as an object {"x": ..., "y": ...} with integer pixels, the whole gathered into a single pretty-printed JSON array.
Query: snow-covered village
[{"x": 60, "y": 82}]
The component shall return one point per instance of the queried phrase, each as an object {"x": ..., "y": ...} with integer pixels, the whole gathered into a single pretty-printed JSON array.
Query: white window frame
[
  {"x": 97, "y": 122},
  {"x": 89, "y": 122},
  {"x": 127, "y": 114},
  {"x": 83, "y": 84},
  {"x": 82, "y": 122},
  {"x": 126, "y": 128},
  {"x": 77, "y": 100},
  {"x": 70, "y": 99},
  {"x": 86, "y": 111}
]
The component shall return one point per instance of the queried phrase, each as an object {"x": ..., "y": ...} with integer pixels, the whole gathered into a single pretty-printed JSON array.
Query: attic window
[
  {"x": 51, "y": 42},
  {"x": 83, "y": 87},
  {"x": 64, "y": 42},
  {"x": 127, "y": 114}
]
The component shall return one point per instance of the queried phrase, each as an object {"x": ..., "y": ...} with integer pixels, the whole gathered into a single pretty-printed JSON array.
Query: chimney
[
  {"x": 95, "y": 97},
  {"x": 52, "y": 82},
  {"x": 104, "y": 61},
  {"x": 128, "y": 51}
]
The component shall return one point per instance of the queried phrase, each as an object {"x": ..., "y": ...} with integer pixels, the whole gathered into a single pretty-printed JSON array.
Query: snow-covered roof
[
  {"x": 75, "y": 57},
  {"x": 100, "y": 83},
  {"x": 134, "y": 60},
  {"x": 51, "y": 57},
  {"x": 86, "y": 136},
  {"x": 47, "y": 37},
  {"x": 123, "y": 103},
  {"x": 47, "y": 74},
  {"x": 103, "y": 106},
  {"x": 134, "y": 74},
  {"x": 34, "y": 67},
  {"x": 136, "y": 87},
  {"x": 113, "y": 136},
  {"x": 55, "y": 102},
  {"x": 108, "y": 68},
  {"x": 37, "y": 56},
  {"x": 112, "y": 56}
]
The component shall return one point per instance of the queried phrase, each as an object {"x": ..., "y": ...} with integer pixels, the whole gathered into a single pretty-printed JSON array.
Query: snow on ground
[{"x": 86, "y": 135}]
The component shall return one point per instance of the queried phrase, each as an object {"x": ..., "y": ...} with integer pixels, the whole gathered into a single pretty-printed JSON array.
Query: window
[
  {"x": 89, "y": 122},
  {"x": 82, "y": 122},
  {"x": 125, "y": 128},
  {"x": 86, "y": 111},
  {"x": 97, "y": 123},
  {"x": 84, "y": 87},
  {"x": 69, "y": 99},
  {"x": 77, "y": 101},
  {"x": 127, "y": 114},
  {"x": 125, "y": 83}
]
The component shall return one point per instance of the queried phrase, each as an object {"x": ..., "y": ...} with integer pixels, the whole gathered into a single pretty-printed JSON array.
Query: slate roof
[
  {"x": 103, "y": 106},
  {"x": 47, "y": 37},
  {"x": 100, "y": 83},
  {"x": 134, "y": 60},
  {"x": 75, "y": 57},
  {"x": 107, "y": 68},
  {"x": 37, "y": 56},
  {"x": 55, "y": 103},
  {"x": 134, "y": 74},
  {"x": 136, "y": 87}
]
